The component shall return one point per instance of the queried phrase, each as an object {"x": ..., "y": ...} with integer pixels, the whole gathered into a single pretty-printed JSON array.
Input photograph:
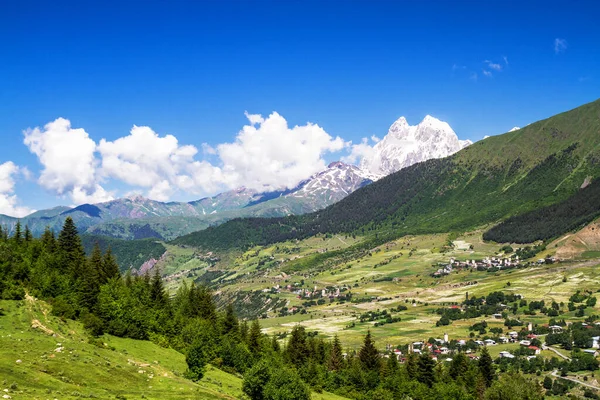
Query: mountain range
[
  {"x": 544, "y": 163},
  {"x": 138, "y": 217}
]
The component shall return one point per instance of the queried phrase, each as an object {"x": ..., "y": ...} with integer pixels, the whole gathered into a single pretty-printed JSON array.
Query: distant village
[{"x": 487, "y": 263}]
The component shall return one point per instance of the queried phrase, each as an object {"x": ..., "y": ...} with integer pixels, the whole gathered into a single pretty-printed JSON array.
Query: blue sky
[{"x": 192, "y": 70}]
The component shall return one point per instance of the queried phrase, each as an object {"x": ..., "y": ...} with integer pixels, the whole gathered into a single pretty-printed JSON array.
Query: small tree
[{"x": 196, "y": 361}]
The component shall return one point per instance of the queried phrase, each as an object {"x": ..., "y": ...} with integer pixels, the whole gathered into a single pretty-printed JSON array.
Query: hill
[
  {"x": 496, "y": 178},
  {"x": 43, "y": 356}
]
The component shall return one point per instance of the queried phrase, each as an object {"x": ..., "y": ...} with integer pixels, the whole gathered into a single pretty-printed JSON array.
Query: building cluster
[{"x": 485, "y": 263}]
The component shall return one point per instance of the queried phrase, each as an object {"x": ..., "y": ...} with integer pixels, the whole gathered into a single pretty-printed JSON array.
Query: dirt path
[
  {"x": 544, "y": 347},
  {"x": 557, "y": 375}
]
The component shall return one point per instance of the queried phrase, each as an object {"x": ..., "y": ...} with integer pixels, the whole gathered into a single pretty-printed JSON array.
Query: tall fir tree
[
  {"x": 72, "y": 254},
  {"x": 48, "y": 240},
  {"x": 412, "y": 366},
  {"x": 206, "y": 304},
  {"x": 230, "y": 325},
  {"x": 426, "y": 366},
  {"x": 18, "y": 235},
  {"x": 486, "y": 367},
  {"x": 255, "y": 338},
  {"x": 28, "y": 237},
  {"x": 110, "y": 267},
  {"x": 89, "y": 286},
  {"x": 157, "y": 290},
  {"x": 297, "y": 349},
  {"x": 244, "y": 331},
  {"x": 368, "y": 354},
  {"x": 335, "y": 361}
]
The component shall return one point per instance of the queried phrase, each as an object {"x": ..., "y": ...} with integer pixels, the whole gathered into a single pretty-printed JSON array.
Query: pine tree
[
  {"x": 297, "y": 349},
  {"x": 486, "y": 367},
  {"x": 48, "y": 240},
  {"x": 458, "y": 366},
  {"x": 412, "y": 366},
  {"x": 230, "y": 321},
  {"x": 28, "y": 236},
  {"x": 244, "y": 331},
  {"x": 336, "y": 358},
  {"x": 368, "y": 354},
  {"x": 18, "y": 236},
  {"x": 275, "y": 344},
  {"x": 109, "y": 266},
  {"x": 206, "y": 305},
  {"x": 157, "y": 291},
  {"x": 426, "y": 367},
  {"x": 392, "y": 365},
  {"x": 70, "y": 246},
  {"x": 255, "y": 338},
  {"x": 89, "y": 287}
]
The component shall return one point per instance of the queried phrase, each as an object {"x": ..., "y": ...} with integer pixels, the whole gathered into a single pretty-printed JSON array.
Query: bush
[
  {"x": 196, "y": 361},
  {"x": 93, "y": 324}
]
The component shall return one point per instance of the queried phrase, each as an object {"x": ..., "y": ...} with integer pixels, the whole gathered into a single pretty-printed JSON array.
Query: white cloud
[
  {"x": 67, "y": 156},
  {"x": 487, "y": 73},
  {"x": 494, "y": 66},
  {"x": 268, "y": 154},
  {"x": 560, "y": 45},
  {"x": 8, "y": 199},
  {"x": 375, "y": 139},
  {"x": 473, "y": 76},
  {"x": 505, "y": 60},
  {"x": 360, "y": 151},
  {"x": 147, "y": 160}
]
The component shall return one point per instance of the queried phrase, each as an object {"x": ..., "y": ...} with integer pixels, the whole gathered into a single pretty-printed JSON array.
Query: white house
[{"x": 506, "y": 354}]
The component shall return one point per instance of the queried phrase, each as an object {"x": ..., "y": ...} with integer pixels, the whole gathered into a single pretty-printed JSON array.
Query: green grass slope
[
  {"x": 43, "y": 357},
  {"x": 539, "y": 165}
]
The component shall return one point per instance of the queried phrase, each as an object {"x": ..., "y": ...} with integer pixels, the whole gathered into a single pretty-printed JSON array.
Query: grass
[
  {"x": 32, "y": 367},
  {"x": 406, "y": 264}
]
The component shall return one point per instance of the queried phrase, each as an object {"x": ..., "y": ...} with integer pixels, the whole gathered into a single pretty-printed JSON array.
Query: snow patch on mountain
[
  {"x": 516, "y": 128},
  {"x": 405, "y": 145}
]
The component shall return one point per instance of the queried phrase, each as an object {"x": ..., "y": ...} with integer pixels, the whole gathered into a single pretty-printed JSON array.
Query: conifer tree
[
  {"x": 412, "y": 367},
  {"x": 157, "y": 291},
  {"x": 89, "y": 287},
  {"x": 18, "y": 235},
  {"x": 336, "y": 358},
  {"x": 254, "y": 338},
  {"x": 368, "y": 354},
  {"x": 28, "y": 236},
  {"x": 244, "y": 331},
  {"x": 392, "y": 365},
  {"x": 70, "y": 246},
  {"x": 109, "y": 266},
  {"x": 297, "y": 350},
  {"x": 48, "y": 240},
  {"x": 230, "y": 321},
  {"x": 486, "y": 367},
  {"x": 458, "y": 366},
  {"x": 275, "y": 344},
  {"x": 206, "y": 305},
  {"x": 426, "y": 369}
]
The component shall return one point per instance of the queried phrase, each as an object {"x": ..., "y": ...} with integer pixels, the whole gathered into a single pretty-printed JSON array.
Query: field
[
  {"x": 396, "y": 273},
  {"x": 43, "y": 357}
]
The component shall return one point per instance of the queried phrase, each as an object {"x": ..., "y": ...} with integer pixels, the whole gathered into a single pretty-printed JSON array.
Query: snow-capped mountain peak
[{"x": 406, "y": 144}]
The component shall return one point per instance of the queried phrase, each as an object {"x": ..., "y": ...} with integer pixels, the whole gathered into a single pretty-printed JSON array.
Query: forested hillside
[
  {"x": 128, "y": 253},
  {"x": 552, "y": 221},
  {"x": 499, "y": 177}
]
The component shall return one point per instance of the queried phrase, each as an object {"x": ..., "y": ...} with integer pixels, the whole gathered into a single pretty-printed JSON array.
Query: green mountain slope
[
  {"x": 539, "y": 165},
  {"x": 128, "y": 253}
]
